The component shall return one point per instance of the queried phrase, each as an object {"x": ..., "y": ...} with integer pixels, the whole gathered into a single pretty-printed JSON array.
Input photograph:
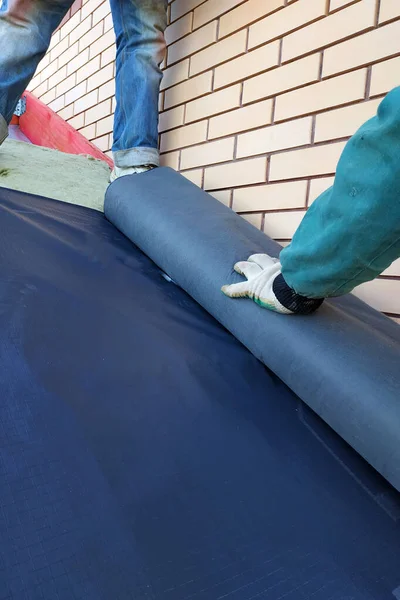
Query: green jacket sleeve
[{"x": 351, "y": 233}]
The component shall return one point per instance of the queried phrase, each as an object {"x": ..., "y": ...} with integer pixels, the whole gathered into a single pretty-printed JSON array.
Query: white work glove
[{"x": 260, "y": 271}]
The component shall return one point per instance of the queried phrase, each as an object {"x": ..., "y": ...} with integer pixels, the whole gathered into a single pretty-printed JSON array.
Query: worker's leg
[
  {"x": 26, "y": 27},
  {"x": 139, "y": 28},
  {"x": 352, "y": 232}
]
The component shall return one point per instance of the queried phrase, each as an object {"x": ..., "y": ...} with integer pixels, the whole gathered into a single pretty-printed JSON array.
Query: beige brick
[
  {"x": 281, "y": 79},
  {"x": 55, "y": 39},
  {"x": 103, "y": 143},
  {"x": 89, "y": 7},
  {"x": 244, "y": 172},
  {"x": 68, "y": 55},
  {"x": 247, "y": 65},
  {"x": 218, "y": 53},
  {"x": 77, "y": 122},
  {"x": 390, "y": 9},
  {"x": 66, "y": 113},
  {"x": 234, "y": 121},
  {"x": 67, "y": 84},
  {"x": 249, "y": 11},
  {"x": 181, "y": 7},
  {"x": 87, "y": 101},
  {"x": 282, "y": 225},
  {"x": 335, "y": 4},
  {"x": 393, "y": 270},
  {"x": 321, "y": 95},
  {"x": 286, "y": 20},
  {"x": 195, "y": 176},
  {"x": 88, "y": 69},
  {"x": 362, "y": 50},
  {"x": 41, "y": 89},
  {"x": 81, "y": 29},
  {"x": 101, "y": 13},
  {"x": 192, "y": 88},
  {"x": 318, "y": 187},
  {"x": 35, "y": 82},
  {"x": 179, "y": 29},
  {"x": 107, "y": 90},
  {"x": 48, "y": 71},
  {"x": 104, "y": 42},
  {"x": 104, "y": 126},
  {"x": 343, "y": 122},
  {"x": 184, "y": 136},
  {"x": 381, "y": 294},
  {"x": 171, "y": 159},
  {"x": 385, "y": 76},
  {"x": 77, "y": 92},
  {"x": 57, "y": 104},
  {"x": 254, "y": 219},
  {"x": 192, "y": 43},
  {"x": 77, "y": 62},
  {"x": 171, "y": 118},
  {"x": 175, "y": 74},
  {"x": 49, "y": 96},
  {"x": 59, "y": 49},
  {"x": 89, "y": 132},
  {"x": 275, "y": 137},
  {"x": 108, "y": 23},
  {"x": 211, "y": 10},
  {"x": 70, "y": 24},
  {"x": 217, "y": 102},
  {"x": 223, "y": 196},
  {"x": 108, "y": 55},
  {"x": 319, "y": 160},
  {"x": 356, "y": 18},
  {"x": 208, "y": 154},
  {"x": 91, "y": 36},
  {"x": 102, "y": 76},
  {"x": 43, "y": 63},
  {"x": 270, "y": 197},
  {"x": 98, "y": 112}
]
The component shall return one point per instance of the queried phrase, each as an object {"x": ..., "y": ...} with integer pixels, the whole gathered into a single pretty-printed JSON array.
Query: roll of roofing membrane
[{"x": 343, "y": 361}]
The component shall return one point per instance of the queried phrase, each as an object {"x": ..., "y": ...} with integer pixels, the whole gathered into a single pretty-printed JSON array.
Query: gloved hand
[
  {"x": 267, "y": 287},
  {"x": 260, "y": 271}
]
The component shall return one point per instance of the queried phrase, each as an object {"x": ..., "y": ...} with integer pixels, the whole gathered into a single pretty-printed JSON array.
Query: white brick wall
[{"x": 257, "y": 101}]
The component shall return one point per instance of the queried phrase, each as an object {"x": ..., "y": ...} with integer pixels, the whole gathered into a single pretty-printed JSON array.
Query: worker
[
  {"x": 349, "y": 235},
  {"x": 26, "y": 27}
]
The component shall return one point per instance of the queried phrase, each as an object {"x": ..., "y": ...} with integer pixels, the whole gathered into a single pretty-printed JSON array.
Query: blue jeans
[{"x": 26, "y": 27}]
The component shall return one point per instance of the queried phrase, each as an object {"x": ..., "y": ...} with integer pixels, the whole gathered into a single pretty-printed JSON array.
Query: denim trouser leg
[
  {"x": 26, "y": 27},
  {"x": 139, "y": 28},
  {"x": 351, "y": 233}
]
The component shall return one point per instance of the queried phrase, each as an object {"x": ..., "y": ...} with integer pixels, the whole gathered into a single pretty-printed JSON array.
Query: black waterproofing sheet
[{"x": 146, "y": 454}]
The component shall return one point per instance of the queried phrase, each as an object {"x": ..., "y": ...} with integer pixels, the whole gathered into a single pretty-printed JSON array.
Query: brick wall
[{"x": 258, "y": 98}]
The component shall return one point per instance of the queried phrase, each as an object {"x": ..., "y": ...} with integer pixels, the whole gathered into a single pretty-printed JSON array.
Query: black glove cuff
[{"x": 300, "y": 305}]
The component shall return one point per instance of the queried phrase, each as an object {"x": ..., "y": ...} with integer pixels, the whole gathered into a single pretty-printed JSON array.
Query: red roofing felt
[{"x": 43, "y": 127}]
